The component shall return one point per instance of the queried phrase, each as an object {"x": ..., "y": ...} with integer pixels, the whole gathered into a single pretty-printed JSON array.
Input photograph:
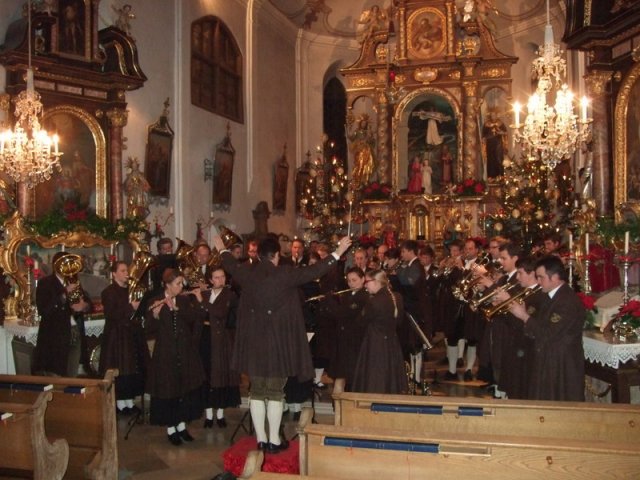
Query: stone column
[
  {"x": 117, "y": 120},
  {"x": 596, "y": 82},
  {"x": 470, "y": 147}
]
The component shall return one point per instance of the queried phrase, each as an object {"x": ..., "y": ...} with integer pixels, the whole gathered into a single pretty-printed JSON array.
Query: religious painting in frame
[
  {"x": 81, "y": 182},
  {"x": 626, "y": 168},
  {"x": 431, "y": 146},
  {"x": 280, "y": 183},
  {"x": 223, "y": 172},
  {"x": 74, "y": 28},
  {"x": 426, "y": 35},
  {"x": 494, "y": 132},
  {"x": 157, "y": 165}
]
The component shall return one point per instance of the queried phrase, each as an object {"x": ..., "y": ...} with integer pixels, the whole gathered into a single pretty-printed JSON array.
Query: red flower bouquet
[
  {"x": 589, "y": 304},
  {"x": 470, "y": 188},
  {"x": 629, "y": 314},
  {"x": 73, "y": 212}
]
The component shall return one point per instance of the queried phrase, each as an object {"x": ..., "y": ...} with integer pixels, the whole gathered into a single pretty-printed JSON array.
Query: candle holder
[
  {"x": 586, "y": 283},
  {"x": 159, "y": 224},
  {"x": 570, "y": 264},
  {"x": 626, "y": 264}
]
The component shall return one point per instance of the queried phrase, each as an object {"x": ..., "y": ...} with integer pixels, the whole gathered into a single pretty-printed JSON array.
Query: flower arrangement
[
  {"x": 589, "y": 303},
  {"x": 377, "y": 191},
  {"x": 629, "y": 314},
  {"x": 470, "y": 188}
]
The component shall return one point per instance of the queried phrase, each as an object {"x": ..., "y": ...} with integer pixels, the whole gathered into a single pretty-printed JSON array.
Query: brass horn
[
  {"x": 503, "y": 307},
  {"x": 187, "y": 264},
  {"x": 68, "y": 266},
  {"x": 229, "y": 238},
  {"x": 141, "y": 263}
]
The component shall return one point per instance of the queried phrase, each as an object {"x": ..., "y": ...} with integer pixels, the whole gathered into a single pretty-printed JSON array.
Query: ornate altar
[
  {"x": 82, "y": 74},
  {"x": 429, "y": 77}
]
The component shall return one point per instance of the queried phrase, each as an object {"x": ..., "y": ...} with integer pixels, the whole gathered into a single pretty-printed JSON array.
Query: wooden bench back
[
  {"x": 86, "y": 420},
  {"x": 365, "y": 453},
  {"x": 23, "y": 444},
  {"x": 570, "y": 420}
]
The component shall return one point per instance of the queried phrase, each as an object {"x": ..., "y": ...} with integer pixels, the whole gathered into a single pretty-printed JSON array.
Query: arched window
[{"x": 216, "y": 69}]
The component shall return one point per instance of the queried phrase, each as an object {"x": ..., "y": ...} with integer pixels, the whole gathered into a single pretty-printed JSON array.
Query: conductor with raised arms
[{"x": 271, "y": 340}]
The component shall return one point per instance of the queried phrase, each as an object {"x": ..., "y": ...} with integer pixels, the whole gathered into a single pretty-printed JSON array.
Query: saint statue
[
  {"x": 137, "y": 189},
  {"x": 362, "y": 145},
  {"x": 433, "y": 118},
  {"x": 494, "y": 144}
]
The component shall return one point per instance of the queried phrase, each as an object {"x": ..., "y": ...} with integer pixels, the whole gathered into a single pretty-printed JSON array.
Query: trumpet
[
  {"x": 324, "y": 295},
  {"x": 503, "y": 307},
  {"x": 447, "y": 265},
  {"x": 476, "y": 303}
]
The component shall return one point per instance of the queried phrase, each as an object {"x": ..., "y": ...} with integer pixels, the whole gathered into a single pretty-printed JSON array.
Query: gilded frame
[
  {"x": 434, "y": 41},
  {"x": 93, "y": 144},
  {"x": 627, "y": 142}
]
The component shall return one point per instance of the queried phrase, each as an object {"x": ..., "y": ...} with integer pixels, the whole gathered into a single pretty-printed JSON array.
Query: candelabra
[
  {"x": 587, "y": 276},
  {"x": 158, "y": 231}
]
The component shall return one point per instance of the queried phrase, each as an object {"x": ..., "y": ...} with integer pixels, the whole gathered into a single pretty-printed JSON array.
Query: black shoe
[
  {"x": 296, "y": 416},
  {"x": 468, "y": 376},
  {"x": 452, "y": 377},
  {"x": 208, "y": 423},
  {"x": 174, "y": 439},
  {"x": 262, "y": 446},
  {"x": 185, "y": 435},
  {"x": 273, "y": 448},
  {"x": 222, "y": 423}
]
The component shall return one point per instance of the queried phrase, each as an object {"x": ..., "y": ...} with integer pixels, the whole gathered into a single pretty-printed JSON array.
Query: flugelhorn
[
  {"x": 476, "y": 303},
  {"x": 68, "y": 266},
  {"x": 503, "y": 307}
]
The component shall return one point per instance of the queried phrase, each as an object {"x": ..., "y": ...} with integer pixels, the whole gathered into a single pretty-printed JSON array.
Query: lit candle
[
  {"x": 349, "y": 227},
  {"x": 586, "y": 243},
  {"x": 516, "y": 109},
  {"x": 626, "y": 243},
  {"x": 584, "y": 102}
]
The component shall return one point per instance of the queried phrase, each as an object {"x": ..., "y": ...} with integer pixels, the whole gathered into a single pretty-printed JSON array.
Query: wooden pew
[
  {"x": 471, "y": 416},
  {"x": 82, "y": 411},
  {"x": 24, "y": 448},
  {"x": 356, "y": 453}
]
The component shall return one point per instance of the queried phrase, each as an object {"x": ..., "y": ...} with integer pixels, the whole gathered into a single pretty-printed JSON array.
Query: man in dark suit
[
  {"x": 61, "y": 333},
  {"x": 271, "y": 340},
  {"x": 556, "y": 327}
]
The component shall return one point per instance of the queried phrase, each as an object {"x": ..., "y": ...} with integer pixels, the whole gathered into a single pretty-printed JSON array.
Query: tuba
[
  {"x": 68, "y": 266},
  {"x": 187, "y": 264},
  {"x": 141, "y": 263}
]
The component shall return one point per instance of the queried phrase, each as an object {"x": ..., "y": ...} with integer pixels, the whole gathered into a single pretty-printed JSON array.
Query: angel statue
[
  {"x": 371, "y": 21},
  {"x": 137, "y": 189},
  {"x": 124, "y": 16},
  {"x": 362, "y": 145}
]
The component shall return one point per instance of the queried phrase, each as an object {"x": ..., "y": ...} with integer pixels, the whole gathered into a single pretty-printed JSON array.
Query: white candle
[
  {"x": 170, "y": 210},
  {"x": 36, "y": 265},
  {"x": 586, "y": 243},
  {"x": 112, "y": 249},
  {"x": 28, "y": 250},
  {"x": 570, "y": 242},
  {"x": 210, "y": 214},
  {"x": 62, "y": 249},
  {"x": 584, "y": 102},
  {"x": 626, "y": 243},
  {"x": 349, "y": 227},
  {"x": 516, "y": 109}
]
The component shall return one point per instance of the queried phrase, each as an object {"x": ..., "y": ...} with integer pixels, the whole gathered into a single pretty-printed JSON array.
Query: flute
[{"x": 158, "y": 303}]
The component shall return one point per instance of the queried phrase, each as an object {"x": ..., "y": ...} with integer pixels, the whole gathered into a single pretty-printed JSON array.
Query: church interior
[{"x": 435, "y": 121}]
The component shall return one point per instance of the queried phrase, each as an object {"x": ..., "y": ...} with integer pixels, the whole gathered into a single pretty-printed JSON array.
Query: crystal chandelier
[
  {"x": 551, "y": 132},
  {"x": 28, "y": 154}
]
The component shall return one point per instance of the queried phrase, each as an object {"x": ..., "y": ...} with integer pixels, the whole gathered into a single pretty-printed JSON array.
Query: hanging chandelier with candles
[
  {"x": 28, "y": 153},
  {"x": 551, "y": 132}
]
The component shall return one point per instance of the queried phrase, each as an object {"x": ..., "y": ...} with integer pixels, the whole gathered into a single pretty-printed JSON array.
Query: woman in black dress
[
  {"x": 123, "y": 345},
  {"x": 346, "y": 309},
  {"x": 222, "y": 384},
  {"x": 380, "y": 366},
  {"x": 175, "y": 374}
]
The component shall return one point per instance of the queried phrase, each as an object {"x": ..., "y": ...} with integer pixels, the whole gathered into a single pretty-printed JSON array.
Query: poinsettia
[
  {"x": 629, "y": 314},
  {"x": 377, "y": 191},
  {"x": 73, "y": 212},
  {"x": 470, "y": 187}
]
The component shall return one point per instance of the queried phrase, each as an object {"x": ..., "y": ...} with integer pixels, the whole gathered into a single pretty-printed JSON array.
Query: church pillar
[
  {"x": 596, "y": 82},
  {"x": 384, "y": 136},
  {"x": 117, "y": 120},
  {"x": 470, "y": 147}
]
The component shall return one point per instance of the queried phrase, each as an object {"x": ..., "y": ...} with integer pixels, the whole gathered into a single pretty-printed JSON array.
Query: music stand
[
  {"x": 137, "y": 419},
  {"x": 242, "y": 426}
]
